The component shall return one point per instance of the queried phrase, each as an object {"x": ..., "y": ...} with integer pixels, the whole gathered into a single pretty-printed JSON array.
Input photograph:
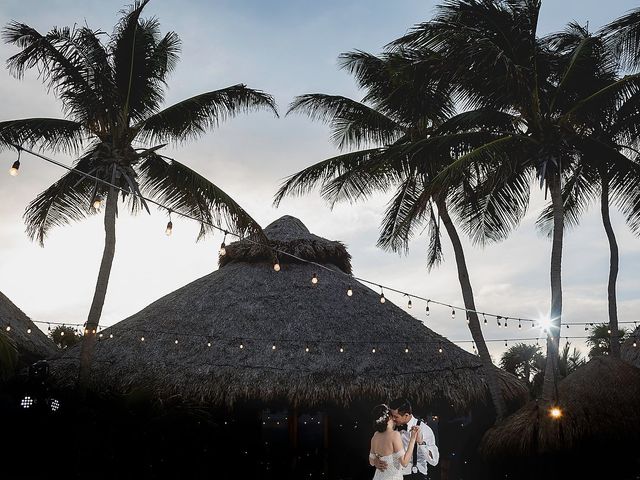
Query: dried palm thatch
[
  {"x": 247, "y": 303},
  {"x": 599, "y": 405},
  {"x": 31, "y": 346},
  {"x": 630, "y": 351}
]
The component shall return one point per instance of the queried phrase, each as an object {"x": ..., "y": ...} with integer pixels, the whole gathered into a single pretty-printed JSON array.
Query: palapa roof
[
  {"x": 599, "y": 404},
  {"x": 628, "y": 351},
  {"x": 31, "y": 346},
  {"x": 246, "y": 302}
]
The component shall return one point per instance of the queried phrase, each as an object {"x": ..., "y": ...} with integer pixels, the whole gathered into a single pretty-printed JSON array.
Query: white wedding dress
[{"x": 394, "y": 467}]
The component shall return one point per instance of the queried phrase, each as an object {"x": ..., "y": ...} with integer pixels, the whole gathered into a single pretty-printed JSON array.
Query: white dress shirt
[{"x": 427, "y": 454}]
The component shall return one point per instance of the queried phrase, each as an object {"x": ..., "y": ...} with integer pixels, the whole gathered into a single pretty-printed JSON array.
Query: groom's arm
[{"x": 427, "y": 445}]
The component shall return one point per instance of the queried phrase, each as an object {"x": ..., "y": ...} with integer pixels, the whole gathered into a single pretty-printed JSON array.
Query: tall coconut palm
[
  {"x": 497, "y": 61},
  {"x": 609, "y": 173},
  {"x": 396, "y": 120},
  {"x": 524, "y": 361},
  {"x": 112, "y": 94}
]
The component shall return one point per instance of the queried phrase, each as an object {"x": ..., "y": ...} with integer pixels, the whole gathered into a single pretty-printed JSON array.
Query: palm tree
[
  {"x": 607, "y": 175},
  {"x": 498, "y": 62},
  {"x": 398, "y": 115},
  {"x": 570, "y": 360},
  {"x": 600, "y": 339},
  {"x": 525, "y": 361},
  {"x": 112, "y": 94}
]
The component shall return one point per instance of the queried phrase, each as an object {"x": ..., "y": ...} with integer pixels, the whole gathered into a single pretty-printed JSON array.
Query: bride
[{"x": 386, "y": 444}]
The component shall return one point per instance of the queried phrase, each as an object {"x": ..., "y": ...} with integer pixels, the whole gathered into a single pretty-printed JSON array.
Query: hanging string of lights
[{"x": 501, "y": 320}]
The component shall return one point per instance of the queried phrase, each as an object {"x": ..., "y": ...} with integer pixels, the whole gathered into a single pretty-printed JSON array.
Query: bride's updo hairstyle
[{"x": 380, "y": 415}]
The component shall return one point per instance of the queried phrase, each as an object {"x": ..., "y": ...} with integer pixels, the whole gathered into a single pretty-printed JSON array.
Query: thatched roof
[
  {"x": 629, "y": 352},
  {"x": 31, "y": 346},
  {"x": 599, "y": 404},
  {"x": 247, "y": 302}
]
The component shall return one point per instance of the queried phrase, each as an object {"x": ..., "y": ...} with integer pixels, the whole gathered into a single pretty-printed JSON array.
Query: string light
[
  {"x": 28, "y": 330},
  {"x": 505, "y": 321},
  {"x": 306, "y": 349},
  {"x": 223, "y": 250},
  {"x": 273, "y": 347},
  {"x": 341, "y": 349},
  {"x": 485, "y": 319},
  {"x": 169, "y": 229},
  {"x": 427, "y": 308},
  {"x": 208, "y": 344},
  {"x": 142, "y": 339},
  {"x": 241, "y": 346},
  {"x": 440, "y": 348},
  {"x": 498, "y": 320},
  {"x": 276, "y": 266},
  {"x": 519, "y": 324},
  {"x": 349, "y": 291},
  {"x": 15, "y": 168},
  {"x": 555, "y": 413},
  {"x": 373, "y": 350},
  {"x": 406, "y": 349},
  {"x": 409, "y": 304},
  {"x": 8, "y": 328},
  {"x": 468, "y": 319},
  {"x": 314, "y": 279},
  {"x": 176, "y": 341},
  {"x": 382, "y": 299},
  {"x": 97, "y": 203},
  {"x": 111, "y": 335},
  {"x": 453, "y": 313}
]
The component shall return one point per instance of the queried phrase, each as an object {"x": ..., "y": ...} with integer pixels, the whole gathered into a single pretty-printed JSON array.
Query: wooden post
[{"x": 325, "y": 417}]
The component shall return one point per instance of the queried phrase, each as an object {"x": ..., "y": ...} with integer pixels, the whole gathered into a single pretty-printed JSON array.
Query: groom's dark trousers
[{"x": 415, "y": 476}]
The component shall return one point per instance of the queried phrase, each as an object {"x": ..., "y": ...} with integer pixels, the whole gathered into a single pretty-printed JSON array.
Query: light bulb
[
  {"x": 8, "y": 328},
  {"x": 208, "y": 344},
  {"x": 28, "y": 330},
  {"x": 61, "y": 333},
  {"x": 306, "y": 349},
  {"x": 635, "y": 344},
  {"x": 409, "y": 304},
  {"x": 169, "y": 229},
  {"x": 15, "y": 168},
  {"x": 111, "y": 335},
  {"x": 223, "y": 251},
  {"x": 142, "y": 339},
  {"x": 273, "y": 347},
  {"x": 349, "y": 291},
  {"x": 341, "y": 349},
  {"x": 453, "y": 313},
  {"x": 241, "y": 346},
  {"x": 276, "y": 267},
  {"x": 373, "y": 350},
  {"x": 382, "y": 299},
  {"x": 439, "y": 349},
  {"x": 97, "y": 203},
  {"x": 314, "y": 279},
  {"x": 176, "y": 342},
  {"x": 555, "y": 412},
  {"x": 427, "y": 309},
  {"x": 406, "y": 349}
]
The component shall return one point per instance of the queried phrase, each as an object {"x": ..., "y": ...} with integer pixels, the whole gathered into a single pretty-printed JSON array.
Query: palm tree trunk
[
  {"x": 491, "y": 372},
  {"x": 553, "y": 337},
  {"x": 613, "y": 267},
  {"x": 91, "y": 328}
]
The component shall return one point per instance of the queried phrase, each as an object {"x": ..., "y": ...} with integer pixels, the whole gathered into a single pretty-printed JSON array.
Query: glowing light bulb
[
  {"x": 341, "y": 349},
  {"x": 97, "y": 203},
  {"x": 28, "y": 330},
  {"x": 409, "y": 304},
  {"x": 8, "y": 328},
  {"x": 555, "y": 412},
  {"x": 276, "y": 267},
  {"x": 314, "y": 279},
  {"x": 453, "y": 313},
  {"x": 406, "y": 349},
  {"x": 169, "y": 229},
  {"x": 208, "y": 344},
  {"x": 223, "y": 251},
  {"x": 15, "y": 168},
  {"x": 306, "y": 349},
  {"x": 142, "y": 339},
  {"x": 61, "y": 333},
  {"x": 273, "y": 347},
  {"x": 373, "y": 350},
  {"x": 349, "y": 291},
  {"x": 635, "y": 344},
  {"x": 382, "y": 299},
  {"x": 176, "y": 342},
  {"x": 440, "y": 349},
  {"x": 428, "y": 308},
  {"x": 241, "y": 346},
  {"x": 111, "y": 335}
]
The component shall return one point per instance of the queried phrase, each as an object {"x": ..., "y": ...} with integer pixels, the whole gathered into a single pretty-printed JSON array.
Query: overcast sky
[{"x": 286, "y": 48}]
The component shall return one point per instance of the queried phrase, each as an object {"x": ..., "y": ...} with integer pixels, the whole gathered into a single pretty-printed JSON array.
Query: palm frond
[
  {"x": 352, "y": 123},
  {"x": 319, "y": 174},
  {"x": 623, "y": 37},
  {"x": 67, "y": 200},
  {"x": 182, "y": 189},
  {"x": 61, "y": 65},
  {"x": 45, "y": 133},
  {"x": 192, "y": 117}
]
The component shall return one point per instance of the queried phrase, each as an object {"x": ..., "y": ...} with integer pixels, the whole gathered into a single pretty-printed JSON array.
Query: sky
[{"x": 285, "y": 48}]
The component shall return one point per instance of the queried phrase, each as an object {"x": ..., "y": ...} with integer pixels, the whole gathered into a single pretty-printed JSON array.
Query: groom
[{"x": 426, "y": 451}]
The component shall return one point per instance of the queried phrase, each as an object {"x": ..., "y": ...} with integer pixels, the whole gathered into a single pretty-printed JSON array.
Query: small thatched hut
[
  {"x": 630, "y": 350},
  {"x": 248, "y": 332},
  {"x": 32, "y": 344},
  {"x": 600, "y": 412}
]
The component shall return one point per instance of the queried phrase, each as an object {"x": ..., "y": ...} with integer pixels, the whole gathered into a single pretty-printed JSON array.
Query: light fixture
[
  {"x": 555, "y": 412},
  {"x": 169, "y": 229},
  {"x": 26, "y": 402},
  {"x": 273, "y": 347},
  {"x": 28, "y": 330},
  {"x": 349, "y": 291},
  {"x": 409, "y": 304},
  {"x": 373, "y": 350},
  {"x": 97, "y": 203},
  {"x": 276, "y": 266},
  {"x": 306, "y": 349},
  {"x": 55, "y": 405},
  {"x": 15, "y": 168},
  {"x": 406, "y": 349},
  {"x": 505, "y": 321},
  {"x": 427, "y": 308},
  {"x": 176, "y": 342},
  {"x": 241, "y": 345},
  {"x": 314, "y": 279},
  {"x": 498, "y": 320},
  {"x": 142, "y": 339},
  {"x": 208, "y": 344},
  {"x": 111, "y": 335},
  {"x": 440, "y": 348},
  {"x": 485, "y": 318},
  {"x": 382, "y": 299},
  {"x": 341, "y": 349},
  {"x": 223, "y": 251},
  {"x": 519, "y": 324},
  {"x": 453, "y": 313},
  {"x": 8, "y": 328}
]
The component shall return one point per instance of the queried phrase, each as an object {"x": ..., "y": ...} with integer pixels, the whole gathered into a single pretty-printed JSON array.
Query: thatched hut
[
  {"x": 31, "y": 343},
  {"x": 600, "y": 412},
  {"x": 630, "y": 350},
  {"x": 248, "y": 332}
]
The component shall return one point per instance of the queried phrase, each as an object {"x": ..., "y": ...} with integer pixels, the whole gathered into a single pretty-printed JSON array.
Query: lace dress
[{"x": 394, "y": 467}]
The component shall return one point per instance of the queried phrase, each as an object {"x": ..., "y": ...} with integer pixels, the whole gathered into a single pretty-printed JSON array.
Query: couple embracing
[{"x": 402, "y": 445}]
